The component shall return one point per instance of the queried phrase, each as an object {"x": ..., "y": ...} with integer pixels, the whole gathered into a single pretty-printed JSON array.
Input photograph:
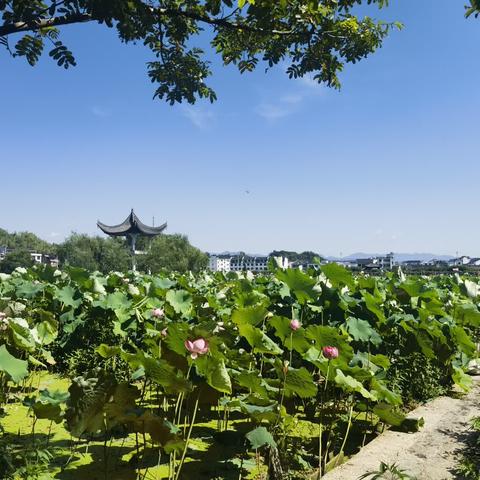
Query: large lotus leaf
[
  {"x": 180, "y": 300},
  {"x": 250, "y": 299},
  {"x": 48, "y": 405},
  {"x": 23, "y": 336},
  {"x": 15, "y": 368},
  {"x": 106, "y": 351},
  {"x": 362, "y": 331},
  {"x": 114, "y": 301},
  {"x": 161, "y": 431},
  {"x": 383, "y": 393},
  {"x": 29, "y": 290},
  {"x": 433, "y": 306},
  {"x": 162, "y": 283},
  {"x": 47, "y": 331},
  {"x": 291, "y": 339},
  {"x": 467, "y": 314},
  {"x": 463, "y": 341},
  {"x": 98, "y": 286},
  {"x": 387, "y": 415},
  {"x": 371, "y": 362},
  {"x": 417, "y": 288},
  {"x": 215, "y": 372},
  {"x": 338, "y": 275},
  {"x": 425, "y": 343},
  {"x": 79, "y": 276},
  {"x": 260, "y": 342},
  {"x": 70, "y": 321},
  {"x": 299, "y": 283},
  {"x": 177, "y": 334},
  {"x": 121, "y": 405},
  {"x": 259, "y": 409},
  {"x": 85, "y": 407},
  {"x": 368, "y": 283},
  {"x": 315, "y": 356},
  {"x": 260, "y": 437},
  {"x": 251, "y": 315},
  {"x": 300, "y": 382},
  {"x": 253, "y": 382},
  {"x": 329, "y": 336},
  {"x": 66, "y": 295},
  {"x": 461, "y": 379},
  {"x": 160, "y": 372},
  {"x": 350, "y": 384},
  {"x": 373, "y": 304}
]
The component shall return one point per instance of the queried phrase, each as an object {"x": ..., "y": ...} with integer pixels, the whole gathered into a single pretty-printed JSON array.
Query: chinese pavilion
[{"x": 131, "y": 228}]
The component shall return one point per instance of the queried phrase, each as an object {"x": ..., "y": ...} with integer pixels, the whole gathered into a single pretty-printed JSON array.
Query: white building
[
  {"x": 37, "y": 257},
  {"x": 220, "y": 263},
  {"x": 241, "y": 262},
  {"x": 458, "y": 262},
  {"x": 384, "y": 263}
]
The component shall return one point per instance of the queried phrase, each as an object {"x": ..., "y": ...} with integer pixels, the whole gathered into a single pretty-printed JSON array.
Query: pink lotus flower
[
  {"x": 197, "y": 347},
  {"x": 158, "y": 312},
  {"x": 295, "y": 324},
  {"x": 330, "y": 352}
]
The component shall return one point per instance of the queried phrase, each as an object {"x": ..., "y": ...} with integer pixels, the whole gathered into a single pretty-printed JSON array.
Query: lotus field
[{"x": 219, "y": 376}]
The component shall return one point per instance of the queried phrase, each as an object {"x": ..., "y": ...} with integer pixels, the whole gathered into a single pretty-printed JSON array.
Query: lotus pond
[{"x": 219, "y": 376}]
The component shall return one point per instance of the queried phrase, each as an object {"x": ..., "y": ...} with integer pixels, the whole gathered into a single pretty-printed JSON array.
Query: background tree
[
  {"x": 25, "y": 241},
  {"x": 303, "y": 257},
  {"x": 312, "y": 37},
  {"x": 473, "y": 8},
  {"x": 172, "y": 252},
  {"x": 94, "y": 253},
  {"x": 17, "y": 258}
]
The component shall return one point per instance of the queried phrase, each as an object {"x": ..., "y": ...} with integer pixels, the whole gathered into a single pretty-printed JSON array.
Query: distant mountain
[{"x": 399, "y": 257}]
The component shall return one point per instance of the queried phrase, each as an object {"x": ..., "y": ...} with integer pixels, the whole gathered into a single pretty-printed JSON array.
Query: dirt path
[{"x": 431, "y": 453}]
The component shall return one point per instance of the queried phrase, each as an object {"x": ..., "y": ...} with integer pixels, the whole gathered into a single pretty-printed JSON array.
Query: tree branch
[{"x": 17, "y": 27}]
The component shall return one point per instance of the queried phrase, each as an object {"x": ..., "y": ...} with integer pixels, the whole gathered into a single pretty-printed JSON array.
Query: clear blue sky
[{"x": 389, "y": 163}]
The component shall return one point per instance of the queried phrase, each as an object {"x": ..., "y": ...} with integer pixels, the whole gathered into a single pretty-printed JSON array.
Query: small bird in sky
[{"x": 247, "y": 191}]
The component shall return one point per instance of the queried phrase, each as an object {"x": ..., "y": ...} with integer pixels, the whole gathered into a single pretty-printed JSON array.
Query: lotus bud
[
  {"x": 295, "y": 324},
  {"x": 330, "y": 352}
]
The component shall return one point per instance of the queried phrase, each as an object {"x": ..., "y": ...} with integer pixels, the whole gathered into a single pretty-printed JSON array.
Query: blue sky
[{"x": 389, "y": 163}]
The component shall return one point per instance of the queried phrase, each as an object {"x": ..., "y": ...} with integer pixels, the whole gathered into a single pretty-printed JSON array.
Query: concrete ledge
[{"x": 431, "y": 453}]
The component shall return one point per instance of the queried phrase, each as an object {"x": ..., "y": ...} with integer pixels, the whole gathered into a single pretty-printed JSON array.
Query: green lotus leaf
[
  {"x": 338, "y": 275},
  {"x": 15, "y": 368},
  {"x": 260, "y": 437}
]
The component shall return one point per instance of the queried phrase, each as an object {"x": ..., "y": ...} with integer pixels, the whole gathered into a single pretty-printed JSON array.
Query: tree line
[{"x": 171, "y": 252}]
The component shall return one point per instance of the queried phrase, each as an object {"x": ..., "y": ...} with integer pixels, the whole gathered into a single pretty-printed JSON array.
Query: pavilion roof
[{"x": 131, "y": 225}]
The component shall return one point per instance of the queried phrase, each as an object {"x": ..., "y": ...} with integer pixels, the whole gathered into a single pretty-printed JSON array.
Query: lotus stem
[{"x": 192, "y": 423}]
